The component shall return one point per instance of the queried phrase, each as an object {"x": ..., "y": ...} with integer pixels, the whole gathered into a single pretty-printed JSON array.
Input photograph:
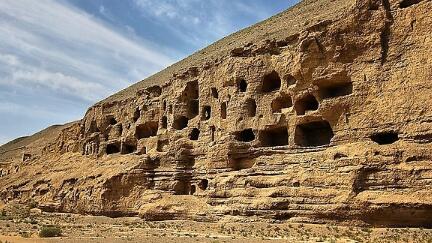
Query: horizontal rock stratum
[{"x": 321, "y": 113}]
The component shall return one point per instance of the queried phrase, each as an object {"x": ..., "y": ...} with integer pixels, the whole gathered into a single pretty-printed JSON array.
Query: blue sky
[{"x": 58, "y": 57}]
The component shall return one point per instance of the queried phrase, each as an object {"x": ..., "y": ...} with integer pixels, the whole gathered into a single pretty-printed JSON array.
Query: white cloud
[
  {"x": 67, "y": 23},
  {"x": 59, "y": 82},
  {"x": 64, "y": 49},
  {"x": 10, "y": 60},
  {"x": 201, "y": 22},
  {"x": 161, "y": 8}
]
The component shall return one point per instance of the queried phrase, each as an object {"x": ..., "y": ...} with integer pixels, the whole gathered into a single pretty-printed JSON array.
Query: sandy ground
[{"x": 24, "y": 227}]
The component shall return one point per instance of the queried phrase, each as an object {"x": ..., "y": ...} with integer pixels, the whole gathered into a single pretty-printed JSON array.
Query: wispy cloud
[
  {"x": 56, "y": 60},
  {"x": 64, "y": 49},
  {"x": 59, "y": 82},
  {"x": 202, "y": 22},
  {"x": 10, "y": 60}
]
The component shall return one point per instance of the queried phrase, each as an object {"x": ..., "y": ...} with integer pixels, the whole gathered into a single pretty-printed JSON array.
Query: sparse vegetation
[
  {"x": 32, "y": 204},
  {"x": 25, "y": 234},
  {"x": 50, "y": 231}
]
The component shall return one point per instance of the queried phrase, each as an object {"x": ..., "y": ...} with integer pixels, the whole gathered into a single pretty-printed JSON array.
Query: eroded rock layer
[{"x": 321, "y": 113}]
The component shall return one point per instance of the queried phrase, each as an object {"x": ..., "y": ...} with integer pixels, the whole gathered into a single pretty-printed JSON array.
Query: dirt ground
[{"x": 20, "y": 224}]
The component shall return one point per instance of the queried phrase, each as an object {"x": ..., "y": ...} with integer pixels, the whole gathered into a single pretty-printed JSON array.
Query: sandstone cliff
[{"x": 321, "y": 113}]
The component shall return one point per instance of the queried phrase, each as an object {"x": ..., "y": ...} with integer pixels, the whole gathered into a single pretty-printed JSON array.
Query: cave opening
[
  {"x": 154, "y": 91},
  {"x": 191, "y": 91},
  {"x": 274, "y": 137},
  {"x": 143, "y": 150},
  {"x": 182, "y": 187},
  {"x": 212, "y": 130},
  {"x": 111, "y": 120},
  {"x": 383, "y": 138},
  {"x": 164, "y": 105},
  {"x": 242, "y": 85},
  {"x": 128, "y": 148},
  {"x": 246, "y": 135},
  {"x": 313, "y": 134},
  {"x": 271, "y": 82},
  {"x": 203, "y": 184},
  {"x": 164, "y": 122},
  {"x": 146, "y": 130},
  {"x": 335, "y": 90},
  {"x": 305, "y": 104},
  {"x": 408, "y": 3},
  {"x": 180, "y": 122},
  {"x": 94, "y": 128},
  {"x": 215, "y": 93},
  {"x": 194, "y": 134},
  {"x": 224, "y": 110},
  {"x": 192, "y": 108},
  {"x": 206, "y": 113},
  {"x": 281, "y": 102},
  {"x": 192, "y": 189},
  {"x": 113, "y": 148},
  {"x": 136, "y": 115}
]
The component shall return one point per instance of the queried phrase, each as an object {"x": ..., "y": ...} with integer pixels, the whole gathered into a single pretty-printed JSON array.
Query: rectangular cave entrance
[
  {"x": 164, "y": 122},
  {"x": 113, "y": 148},
  {"x": 206, "y": 113},
  {"x": 241, "y": 85},
  {"x": 215, "y": 93},
  {"x": 192, "y": 108},
  {"x": 184, "y": 187},
  {"x": 271, "y": 82},
  {"x": 224, "y": 110},
  {"x": 191, "y": 91},
  {"x": 180, "y": 123},
  {"x": 189, "y": 98},
  {"x": 335, "y": 90},
  {"x": 212, "y": 130},
  {"x": 128, "y": 148},
  {"x": 280, "y": 103},
  {"x": 194, "y": 134},
  {"x": 246, "y": 135},
  {"x": 146, "y": 130},
  {"x": 313, "y": 134},
  {"x": 306, "y": 104},
  {"x": 274, "y": 137}
]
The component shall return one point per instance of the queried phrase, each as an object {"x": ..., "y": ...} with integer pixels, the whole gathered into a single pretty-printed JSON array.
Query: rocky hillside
[{"x": 322, "y": 113}]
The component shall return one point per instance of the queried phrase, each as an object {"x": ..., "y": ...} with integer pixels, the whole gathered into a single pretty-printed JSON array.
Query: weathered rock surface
[{"x": 321, "y": 113}]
